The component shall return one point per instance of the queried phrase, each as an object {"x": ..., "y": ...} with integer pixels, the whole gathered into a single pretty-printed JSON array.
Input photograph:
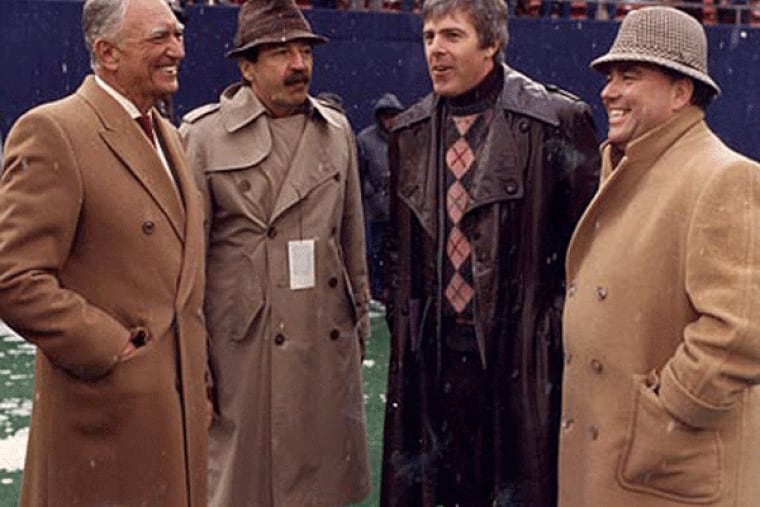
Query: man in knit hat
[
  {"x": 287, "y": 291},
  {"x": 662, "y": 316},
  {"x": 488, "y": 176}
]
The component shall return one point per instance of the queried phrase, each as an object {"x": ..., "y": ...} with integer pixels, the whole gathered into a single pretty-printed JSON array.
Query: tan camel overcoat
[
  {"x": 289, "y": 427},
  {"x": 95, "y": 244},
  {"x": 662, "y": 328}
]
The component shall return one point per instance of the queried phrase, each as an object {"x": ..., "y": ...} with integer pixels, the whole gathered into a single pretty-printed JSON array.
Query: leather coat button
[
  {"x": 148, "y": 227},
  {"x": 279, "y": 339},
  {"x": 512, "y": 186}
]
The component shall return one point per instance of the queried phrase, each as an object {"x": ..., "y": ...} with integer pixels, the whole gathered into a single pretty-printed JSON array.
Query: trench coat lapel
[
  {"x": 311, "y": 166},
  {"x": 122, "y": 134}
]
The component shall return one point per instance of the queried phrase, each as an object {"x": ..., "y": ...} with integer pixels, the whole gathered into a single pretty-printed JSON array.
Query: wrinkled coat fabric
[
  {"x": 538, "y": 169},
  {"x": 95, "y": 243},
  {"x": 662, "y": 328},
  {"x": 289, "y": 428}
]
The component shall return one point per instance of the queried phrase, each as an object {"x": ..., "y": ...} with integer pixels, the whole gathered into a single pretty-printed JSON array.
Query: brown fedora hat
[{"x": 270, "y": 21}]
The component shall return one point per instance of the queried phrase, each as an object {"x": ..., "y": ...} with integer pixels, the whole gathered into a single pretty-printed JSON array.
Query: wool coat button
[
  {"x": 596, "y": 365},
  {"x": 567, "y": 423},
  {"x": 148, "y": 227},
  {"x": 332, "y": 282},
  {"x": 272, "y": 233},
  {"x": 601, "y": 293},
  {"x": 334, "y": 334},
  {"x": 594, "y": 432},
  {"x": 279, "y": 339}
]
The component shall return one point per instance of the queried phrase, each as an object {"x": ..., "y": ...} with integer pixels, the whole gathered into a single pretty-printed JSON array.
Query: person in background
[
  {"x": 287, "y": 295},
  {"x": 101, "y": 268},
  {"x": 372, "y": 143},
  {"x": 661, "y": 402},
  {"x": 489, "y": 175}
]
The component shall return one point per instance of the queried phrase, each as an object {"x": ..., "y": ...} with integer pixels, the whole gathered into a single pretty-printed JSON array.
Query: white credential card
[{"x": 301, "y": 264}]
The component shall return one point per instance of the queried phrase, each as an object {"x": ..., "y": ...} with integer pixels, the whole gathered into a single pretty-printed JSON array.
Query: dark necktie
[{"x": 146, "y": 123}]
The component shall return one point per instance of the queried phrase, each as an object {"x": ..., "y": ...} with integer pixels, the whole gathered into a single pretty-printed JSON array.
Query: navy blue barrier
[{"x": 43, "y": 58}]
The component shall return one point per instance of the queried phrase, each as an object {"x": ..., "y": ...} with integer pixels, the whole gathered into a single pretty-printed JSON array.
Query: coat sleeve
[
  {"x": 719, "y": 357},
  {"x": 352, "y": 242},
  {"x": 41, "y": 197}
]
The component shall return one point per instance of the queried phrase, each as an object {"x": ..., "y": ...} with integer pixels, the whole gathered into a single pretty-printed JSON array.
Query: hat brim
[
  {"x": 313, "y": 38},
  {"x": 602, "y": 63}
]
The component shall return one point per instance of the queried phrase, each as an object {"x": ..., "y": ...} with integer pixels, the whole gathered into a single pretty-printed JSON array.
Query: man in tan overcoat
[
  {"x": 286, "y": 297},
  {"x": 101, "y": 267},
  {"x": 662, "y": 318}
]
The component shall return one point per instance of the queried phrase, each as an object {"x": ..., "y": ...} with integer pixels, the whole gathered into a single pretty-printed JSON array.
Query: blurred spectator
[
  {"x": 561, "y": 7},
  {"x": 372, "y": 143},
  {"x": 597, "y": 10}
]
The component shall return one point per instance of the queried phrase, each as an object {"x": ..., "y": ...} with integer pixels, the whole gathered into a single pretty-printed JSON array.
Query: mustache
[{"x": 297, "y": 77}]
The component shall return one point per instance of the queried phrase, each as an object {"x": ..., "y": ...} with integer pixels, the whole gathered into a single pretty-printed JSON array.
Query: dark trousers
[
  {"x": 465, "y": 471},
  {"x": 375, "y": 233}
]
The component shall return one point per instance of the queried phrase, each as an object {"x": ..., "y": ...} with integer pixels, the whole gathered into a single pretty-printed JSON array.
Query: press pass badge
[{"x": 301, "y": 263}]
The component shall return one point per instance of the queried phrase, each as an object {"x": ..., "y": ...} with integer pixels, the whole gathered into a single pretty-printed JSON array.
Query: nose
[
  {"x": 297, "y": 59},
  {"x": 177, "y": 47},
  {"x": 610, "y": 90}
]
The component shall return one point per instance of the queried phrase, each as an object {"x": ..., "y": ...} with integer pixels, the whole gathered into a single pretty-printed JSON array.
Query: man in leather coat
[{"x": 489, "y": 175}]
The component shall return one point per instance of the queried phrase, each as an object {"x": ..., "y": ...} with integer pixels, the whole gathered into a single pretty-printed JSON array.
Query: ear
[
  {"x": 107, "y": 54},
  {"x": 246, "y": 69},
  {"x": 683, "y": 90},
  {"x": 492, "y": 50}
]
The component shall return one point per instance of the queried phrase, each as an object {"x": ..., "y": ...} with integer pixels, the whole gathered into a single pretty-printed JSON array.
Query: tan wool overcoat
[
  {"x": 95, "y": 244},
  {"x": 289, "y": 426},
  {"x": 660, "y": 401}
]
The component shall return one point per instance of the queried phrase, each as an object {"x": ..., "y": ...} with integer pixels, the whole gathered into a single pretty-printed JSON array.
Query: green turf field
[{"x": 16, "y": 371}]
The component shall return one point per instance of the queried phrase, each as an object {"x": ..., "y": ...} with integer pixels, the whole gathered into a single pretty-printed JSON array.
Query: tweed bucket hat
[
  {"x": 270, "y": 21},
  {"x": 663, "y": 36}
]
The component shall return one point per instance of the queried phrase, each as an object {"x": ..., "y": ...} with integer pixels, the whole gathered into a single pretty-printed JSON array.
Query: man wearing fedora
[
  {"x": 287, "y": 290},
  {"x": 660, "y": 402}
]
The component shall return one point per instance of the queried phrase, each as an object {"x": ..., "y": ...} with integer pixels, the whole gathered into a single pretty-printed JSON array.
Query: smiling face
[
  {"x": 142, "y": 60},
  {"x": 456, "y": 61},
  {"x": 639, "y": 97},
  {"x": 280, "y": 76}
]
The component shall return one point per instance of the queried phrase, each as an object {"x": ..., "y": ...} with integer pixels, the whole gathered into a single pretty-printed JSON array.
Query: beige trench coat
[
  {"x": 289, "y": 428},
  {"x": 662, "y": 329},
  {"x": 94, "y": 244}
]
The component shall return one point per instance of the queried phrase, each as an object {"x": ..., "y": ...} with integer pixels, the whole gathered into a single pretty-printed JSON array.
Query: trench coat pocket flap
[
  {"x": 666, "y": 458},
  {"x": 233, "y": 305}
]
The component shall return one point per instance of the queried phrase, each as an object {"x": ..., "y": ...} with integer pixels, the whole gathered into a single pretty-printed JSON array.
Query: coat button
[
  {"x": 148, "y": 227},
  {"x": 596, "y": 365},
  {"x": 594, "y": 432},
  {"x": 332, "y": 282},
  {"x": 272, "y": 233},
  {"x": 334, "y": 334},
  {"x": 567, "y": 423},
  {"x": 601, "y": 293},
  {"x": 571, "y": 289},
  {"x": 244, "y": 185},
  {"x": 279, "y": 339},
  {"x": 512, "y": 186},
  {"x": 523, "y": 126}
]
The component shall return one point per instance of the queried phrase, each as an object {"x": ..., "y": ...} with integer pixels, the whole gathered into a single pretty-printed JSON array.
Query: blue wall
[{"x": 43, "y": 58}]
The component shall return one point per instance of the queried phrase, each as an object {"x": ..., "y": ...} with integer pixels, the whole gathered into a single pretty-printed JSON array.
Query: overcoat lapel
[
  {"x": 311, "y": 165},
  {"x": 130, "y": 145}
]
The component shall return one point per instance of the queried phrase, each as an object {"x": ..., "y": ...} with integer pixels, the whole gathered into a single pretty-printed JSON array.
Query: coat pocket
[{"x": 665, "y": 457}]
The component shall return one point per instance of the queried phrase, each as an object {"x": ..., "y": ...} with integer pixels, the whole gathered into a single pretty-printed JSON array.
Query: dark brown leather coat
[{"x": 537, "y": 171}]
